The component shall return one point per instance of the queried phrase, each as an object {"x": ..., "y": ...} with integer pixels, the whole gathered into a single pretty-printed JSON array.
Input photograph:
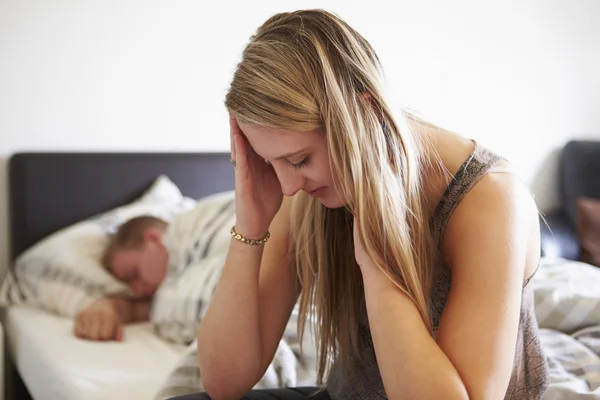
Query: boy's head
[{"x": 136, "y": 255}]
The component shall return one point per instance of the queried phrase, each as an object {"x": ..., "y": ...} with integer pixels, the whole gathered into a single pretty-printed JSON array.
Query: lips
[{"x": 316, "y": 191}]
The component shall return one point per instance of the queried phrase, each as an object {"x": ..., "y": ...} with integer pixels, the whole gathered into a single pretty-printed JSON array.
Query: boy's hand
[{"x": 100, "y": 321}]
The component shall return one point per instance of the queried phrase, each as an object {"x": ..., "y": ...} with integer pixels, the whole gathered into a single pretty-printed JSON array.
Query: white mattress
[{"x": 55, "y": 365}]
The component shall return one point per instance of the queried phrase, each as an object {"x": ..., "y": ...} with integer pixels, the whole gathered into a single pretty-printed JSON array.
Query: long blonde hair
[{"x": 309, "y": 69}]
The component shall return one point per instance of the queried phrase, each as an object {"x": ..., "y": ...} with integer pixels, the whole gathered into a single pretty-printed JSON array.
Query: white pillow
[
  {"x": 62, "y": 273},
  {"x": 567, "y": 295},
  {"x": 197, "y": 242}
]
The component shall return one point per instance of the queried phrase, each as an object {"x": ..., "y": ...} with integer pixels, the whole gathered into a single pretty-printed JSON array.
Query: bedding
[
  {"x": 55, "y": 365},
  {"x": 292, "y": 365},
  {"x": 567, "y": 305},
  {"x": 197, "y": 242},
  {"x": 574, "y": 362},
  {"x": 567, "y": 295},
  {"x": 62, "y": 273}
]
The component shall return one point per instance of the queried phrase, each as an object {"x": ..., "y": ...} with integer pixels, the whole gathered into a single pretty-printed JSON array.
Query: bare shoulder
[{"x": 499, "y": 209}]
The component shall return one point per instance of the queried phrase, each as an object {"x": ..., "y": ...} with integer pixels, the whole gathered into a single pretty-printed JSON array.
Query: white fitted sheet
[{"x": 55, "y": 365}]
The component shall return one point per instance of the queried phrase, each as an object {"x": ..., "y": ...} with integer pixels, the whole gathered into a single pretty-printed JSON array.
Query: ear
[{"x": 153, "y": 235}]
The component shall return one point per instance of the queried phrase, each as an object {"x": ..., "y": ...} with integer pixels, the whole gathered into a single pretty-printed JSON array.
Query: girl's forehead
[{"x": 272, "y": 144}]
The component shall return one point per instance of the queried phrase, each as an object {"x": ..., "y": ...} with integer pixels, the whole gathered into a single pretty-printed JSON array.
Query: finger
[
  {"x": 234, "y": 129},
  {"x": 241, "y": 156},
  {"x": 83, "y": 326},
  {"x": 106, "y": 329},
  {"x": 77, "y": 329},
  {"x": 93, "y": 331},
  {"x": 119, "y": 334},
  {"x": 253, "y": 159}
]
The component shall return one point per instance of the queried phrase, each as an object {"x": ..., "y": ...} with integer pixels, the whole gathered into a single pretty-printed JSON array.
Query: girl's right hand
[{"x": 258, "y": 194}]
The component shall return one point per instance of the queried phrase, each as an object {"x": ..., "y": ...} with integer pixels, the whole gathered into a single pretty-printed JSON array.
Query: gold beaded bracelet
[{"x": 253, "y": 242}]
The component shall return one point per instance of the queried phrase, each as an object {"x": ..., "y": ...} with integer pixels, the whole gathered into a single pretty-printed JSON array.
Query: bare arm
[
  {"x": 104, "y": 319},
  {"x": 130, "y": 310},
  {"x": 252, "y": 303},
  {"x": 491, "y": 243}
]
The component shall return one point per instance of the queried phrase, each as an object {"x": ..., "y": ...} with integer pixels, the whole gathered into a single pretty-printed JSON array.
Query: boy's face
[{"x": 144, "y": 268}]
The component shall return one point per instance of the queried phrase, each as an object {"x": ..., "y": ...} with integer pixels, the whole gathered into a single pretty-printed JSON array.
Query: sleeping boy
[
  {"x": 136, "y": 255},
  {"x": 145, "y": 251}
]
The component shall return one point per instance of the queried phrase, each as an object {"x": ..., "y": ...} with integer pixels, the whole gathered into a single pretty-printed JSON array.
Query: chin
[
  {"x": 332, "y": 202},
  {"x": 328, "y": 197}
]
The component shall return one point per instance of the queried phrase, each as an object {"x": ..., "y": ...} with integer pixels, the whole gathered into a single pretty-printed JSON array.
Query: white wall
[{"x": 521, "y": 77}]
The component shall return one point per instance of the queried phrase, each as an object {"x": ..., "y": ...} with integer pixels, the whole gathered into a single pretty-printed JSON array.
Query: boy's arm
[
  {"x": 130, "y": 310},
  {"x": 104, "y": 319}
]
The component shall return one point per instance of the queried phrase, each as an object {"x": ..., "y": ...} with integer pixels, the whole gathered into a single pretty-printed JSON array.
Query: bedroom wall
[{"x": 150, "y": 75}]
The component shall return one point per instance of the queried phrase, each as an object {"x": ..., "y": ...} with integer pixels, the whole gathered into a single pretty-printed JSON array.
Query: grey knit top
[{"x": 530, "y": 373}]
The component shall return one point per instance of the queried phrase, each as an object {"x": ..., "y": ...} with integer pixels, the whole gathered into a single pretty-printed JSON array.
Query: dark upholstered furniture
[
  {"x": 579, "y": 175},
  {"x": 49, "y": 191}
]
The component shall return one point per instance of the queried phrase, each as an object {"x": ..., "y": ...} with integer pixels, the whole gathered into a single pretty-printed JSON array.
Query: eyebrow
[{"x": 292, "y": 154}]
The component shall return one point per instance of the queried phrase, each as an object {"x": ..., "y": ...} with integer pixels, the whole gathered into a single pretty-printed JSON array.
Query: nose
[
  {"x": 138, "y": 289},
  {"x": 291, "y": 181}
]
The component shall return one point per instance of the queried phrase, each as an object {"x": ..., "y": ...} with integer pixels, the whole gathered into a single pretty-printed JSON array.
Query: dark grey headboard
[{"x": 48, "y": 191}]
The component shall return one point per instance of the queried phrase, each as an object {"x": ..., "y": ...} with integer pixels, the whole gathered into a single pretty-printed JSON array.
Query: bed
[
  {"x": 49, "y": 191},
  {"x": 55, "y": 365}
]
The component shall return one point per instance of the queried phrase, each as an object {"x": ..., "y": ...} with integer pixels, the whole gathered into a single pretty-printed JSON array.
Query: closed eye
[
  {"x": 302, "y": 163},
  {"x": 132, "y": 276}
]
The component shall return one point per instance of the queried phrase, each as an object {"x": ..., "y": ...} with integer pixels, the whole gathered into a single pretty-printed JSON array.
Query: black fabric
[
  {"x": 49, "y": 191},
  {"x": 578, "y": 175},
  {"x": 300, "y": 393}
]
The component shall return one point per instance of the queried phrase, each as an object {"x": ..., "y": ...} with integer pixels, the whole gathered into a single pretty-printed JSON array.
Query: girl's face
[{"x": 300, "y": 160}]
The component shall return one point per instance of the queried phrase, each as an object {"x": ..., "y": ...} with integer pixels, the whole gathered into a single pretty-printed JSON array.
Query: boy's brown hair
[{"x": 130, "y": 235}]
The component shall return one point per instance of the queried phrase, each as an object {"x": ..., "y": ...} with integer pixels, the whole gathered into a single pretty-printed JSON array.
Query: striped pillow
[
  {"x": 197, "y": 242},
  {"x": 63, "y": 274}
]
